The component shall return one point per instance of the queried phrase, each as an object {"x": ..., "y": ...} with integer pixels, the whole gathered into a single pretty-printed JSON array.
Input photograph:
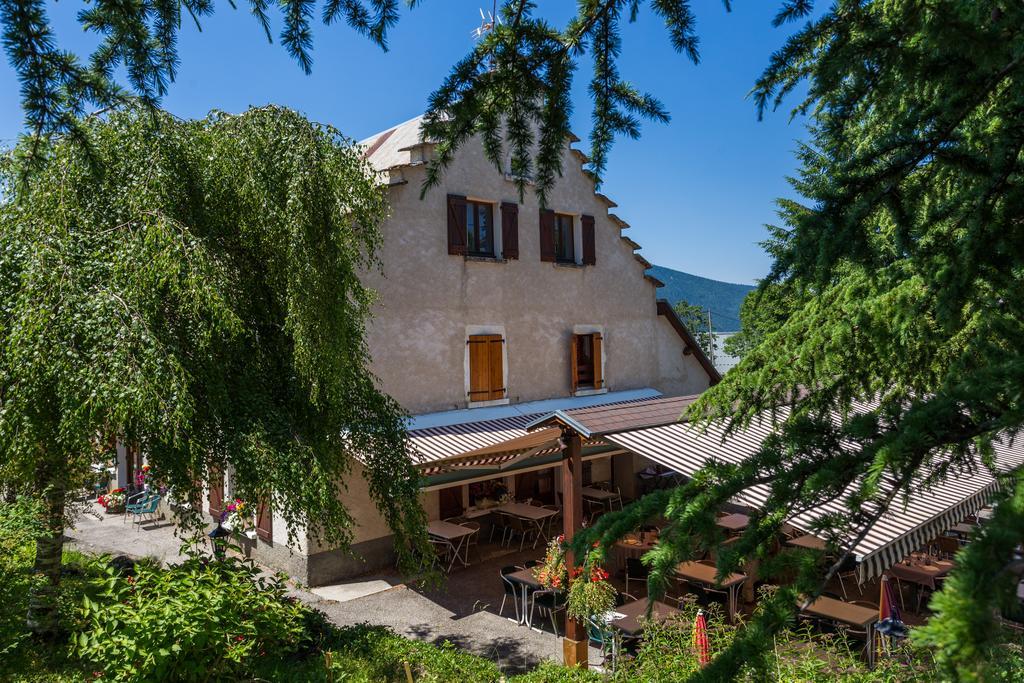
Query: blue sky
[{"x": 696, "y": 191}]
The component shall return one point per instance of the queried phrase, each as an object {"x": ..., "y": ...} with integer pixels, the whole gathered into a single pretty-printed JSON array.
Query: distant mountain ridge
[{"x": 722, "y": 298}]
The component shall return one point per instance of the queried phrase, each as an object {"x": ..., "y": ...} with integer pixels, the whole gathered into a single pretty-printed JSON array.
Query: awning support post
[{"x": 575, "y": 645}]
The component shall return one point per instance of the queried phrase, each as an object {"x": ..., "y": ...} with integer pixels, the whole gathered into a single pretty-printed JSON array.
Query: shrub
[{"x": 195, "y": 621}]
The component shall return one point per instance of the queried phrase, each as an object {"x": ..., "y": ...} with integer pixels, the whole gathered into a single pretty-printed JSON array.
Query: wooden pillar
[{"x": 576, "y": 643}]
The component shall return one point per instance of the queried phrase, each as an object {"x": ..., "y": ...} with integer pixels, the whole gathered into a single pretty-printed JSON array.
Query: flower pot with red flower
[
  {"x": 591, "y": 595},
  {"x": 238, "y": 516},
  {"x": 551, "y": 573},
  {"x": 114, "y": 501}
]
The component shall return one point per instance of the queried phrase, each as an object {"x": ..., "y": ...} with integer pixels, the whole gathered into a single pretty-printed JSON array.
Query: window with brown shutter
[
  {"x": 547, "y": 235},
  {"x": 456, "y": 224},
  {"x": 587, "y": 237},
  {"x": 510, "y": 230},
  {"x": 264, "y": 522},
  {"x": 486, "y": 368},
  {"x": 565, "y": 239},
  {"x": 585, "y": 361}
]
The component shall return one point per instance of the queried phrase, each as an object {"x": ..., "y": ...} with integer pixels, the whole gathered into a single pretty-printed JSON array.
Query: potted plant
[
  {"x": 591, "y": 595},
  {"x": 114, "y": 501},
  {"x": 551, "y": 573},
  {"x": 238, "y": 516}
]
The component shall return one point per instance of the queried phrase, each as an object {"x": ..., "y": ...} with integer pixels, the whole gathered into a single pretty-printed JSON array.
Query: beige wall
[{"x": 428, "y": 298}]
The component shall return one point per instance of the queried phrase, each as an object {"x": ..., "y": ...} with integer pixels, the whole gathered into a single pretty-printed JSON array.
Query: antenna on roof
[{"x": 487, "y": 22}]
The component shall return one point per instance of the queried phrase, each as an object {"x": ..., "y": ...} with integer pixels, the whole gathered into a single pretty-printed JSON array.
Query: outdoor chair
[
  {"x": 636, "y": 571},
  {"x": 529, "y": 564},
  {"x": 511, "y": 590},
  {"x": 848, "y": 571},
  {"x": 554, "y": 522},
  {"x": 443, "y": 553},
  {"x": 459, "y": 519},
  {"x": 148, "y": 507},
  {"x": 617, "y": 500},
  {"x": 622, "y": 597},
  {"x": 134, "y": 501},
  {"x": 592, "y": 509},
  {"x": 923, "y": 591},
  {"x": 519, "y": 527},
  {"x": 607, "y": 641},
  {"x": 550, "y": 601},
  {"x": 473, "y": 540},
  {"x": 856, "y": 632},
  {"x": 947, "y": 547},
  {"x": 500, "y": 522}
]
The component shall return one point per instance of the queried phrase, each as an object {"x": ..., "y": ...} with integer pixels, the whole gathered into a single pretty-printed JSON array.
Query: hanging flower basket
[{"x": 551, "y": 573}]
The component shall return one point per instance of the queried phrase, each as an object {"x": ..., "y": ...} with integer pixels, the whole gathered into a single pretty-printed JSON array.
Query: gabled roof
[
  {"x": 390, "y": 148},
  {"x": 665, "y": 309}
]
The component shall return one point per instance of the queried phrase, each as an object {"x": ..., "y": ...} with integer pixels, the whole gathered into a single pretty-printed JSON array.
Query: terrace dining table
[
  {"x": 920, "y": 573},
  {"x": 807, "y": 541},
  {"x": 847, "y": 613},
  {"x": 454, "y": 535},
  {"x": 704, "y": 574},
  {"x": 964, "y": 529},
  {"x": 630, "y": 617},
  {"x": 526, "y": 581},
  {"x": 531, "y": 513},
  {"x": 733, "y": 522}
]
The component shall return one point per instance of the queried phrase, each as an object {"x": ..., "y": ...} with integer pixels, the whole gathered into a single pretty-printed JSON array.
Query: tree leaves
[{"x": 197, "y": 293}]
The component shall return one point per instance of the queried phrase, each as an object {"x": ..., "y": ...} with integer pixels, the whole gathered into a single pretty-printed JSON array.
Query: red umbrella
[{"x": 700, "y": 639}]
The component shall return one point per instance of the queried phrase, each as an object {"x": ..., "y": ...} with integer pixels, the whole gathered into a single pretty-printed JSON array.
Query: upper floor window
[
  {"x": 479, "y": 229},
  {"x": 486, "y": 368},
  {"x": 560, "y": 242},
  {"x": 587, "y": 370},
  {"x": 565, "y": 241}
]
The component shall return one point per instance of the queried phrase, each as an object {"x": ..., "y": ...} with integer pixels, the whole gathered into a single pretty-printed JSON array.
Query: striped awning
[
  {"x": 487, "y": 442},
  {"x": 925, "y": 513}
]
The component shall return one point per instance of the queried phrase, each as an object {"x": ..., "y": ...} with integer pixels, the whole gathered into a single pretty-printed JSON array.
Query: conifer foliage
[
  {"x": 515, "y": 83},
  {"x": 192, "y": 287},
  {"x": 897, "y": 280}
]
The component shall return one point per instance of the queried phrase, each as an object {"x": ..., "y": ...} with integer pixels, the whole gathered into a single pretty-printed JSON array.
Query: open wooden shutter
[
  {"x": 598, "y": 375},
  {"x": 264, "y": 522},
  {"x": 509, "y": 230},
  {"x": 589, "y": 250},
  {"x": 547, "y": 235},
  {"x": 574, "y": 362},
  {"x": 497, "y": 369},
  {"x": 486, "y": 370},
  {"x": 216, "y": 498},
  {"x": 456, "y": 224}
]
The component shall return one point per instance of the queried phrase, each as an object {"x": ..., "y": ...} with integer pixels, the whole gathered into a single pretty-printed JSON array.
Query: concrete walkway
[{"x": 466, "y": 618}]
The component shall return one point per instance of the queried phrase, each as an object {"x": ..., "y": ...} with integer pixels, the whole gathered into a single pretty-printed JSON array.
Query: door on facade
[
  {"x": 450, "y": 501},
  {"x": 216, "y": 498},
  {"x": 538, "y": 485},
  {"x": 264, "y": 522}
]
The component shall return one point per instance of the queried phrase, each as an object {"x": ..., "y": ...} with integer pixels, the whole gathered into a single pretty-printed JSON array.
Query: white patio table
[
  {"x": 454, "y": 535},
  {"x": 530, "y": 513}
]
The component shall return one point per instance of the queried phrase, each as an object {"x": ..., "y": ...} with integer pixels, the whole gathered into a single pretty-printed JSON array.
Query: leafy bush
[{"x": 195, "y": 621}]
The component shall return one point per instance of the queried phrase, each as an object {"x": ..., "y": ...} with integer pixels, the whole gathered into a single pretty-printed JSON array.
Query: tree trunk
[{"x": 42, "y": 618}]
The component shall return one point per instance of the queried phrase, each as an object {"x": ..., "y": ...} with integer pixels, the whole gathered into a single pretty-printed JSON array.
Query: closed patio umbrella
[
  {"x": 890, "y": 622},
  {"x": 700, "y": 639}
]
